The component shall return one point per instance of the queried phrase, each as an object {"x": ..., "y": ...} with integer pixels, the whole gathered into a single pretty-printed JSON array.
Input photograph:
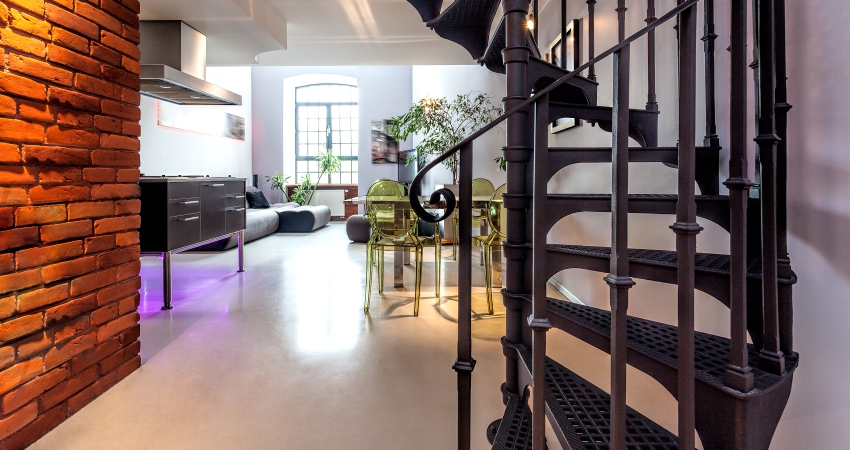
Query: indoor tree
[{"x": 442, "y": 124}]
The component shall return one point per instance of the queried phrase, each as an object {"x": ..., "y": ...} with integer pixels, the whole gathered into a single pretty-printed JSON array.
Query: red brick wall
[{"x": 69, "y": 246}]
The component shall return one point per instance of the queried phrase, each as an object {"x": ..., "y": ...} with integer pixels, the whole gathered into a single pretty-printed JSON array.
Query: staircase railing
[{"x": 618, "y": 279}]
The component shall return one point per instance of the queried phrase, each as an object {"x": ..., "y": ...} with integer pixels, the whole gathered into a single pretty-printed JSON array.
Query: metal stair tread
[
  {"x": 603, "y": 108},
  {"x": 515, "y": 429},
  {"x": 639, "y": 196},
  {"x": 462, "y": 13},
  {"x": 581, "y": 412},
  {"x": 703, "y": 262},
  {"x": 427, "y": 9},
  {"x": 659, "y": 342}
]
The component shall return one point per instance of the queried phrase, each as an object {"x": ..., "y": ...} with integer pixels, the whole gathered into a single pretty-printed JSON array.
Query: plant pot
[{"x": 448, "y": 226}]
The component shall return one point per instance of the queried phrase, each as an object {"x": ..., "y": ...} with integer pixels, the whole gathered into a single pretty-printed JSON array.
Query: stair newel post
[
  {"x": 686, "y": 227},
  {"x": 591, "y": 52},
  {"x": 709, "y": 37},
  {"x": 651, "y": 98},
  {"x": 464, "y": 365},
  {"x": 771, "y": 356},
  {"x": 738, "y": 373},
  {"x": 786, "y": 275},
  {"x": 517, "y": 153},
  {"x": 539, "y": 322},
  {"x": 619, "y": 280}
]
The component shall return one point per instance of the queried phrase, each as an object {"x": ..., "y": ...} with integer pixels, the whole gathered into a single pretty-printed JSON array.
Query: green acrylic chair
[
  {"x": 497, "y": 217},
  {"x": 481, "y": 187},
  {"x": 394, "y": 225}
]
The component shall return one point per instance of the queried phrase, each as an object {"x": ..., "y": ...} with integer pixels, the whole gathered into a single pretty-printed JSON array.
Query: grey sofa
[{"x": 279, "y": 218}]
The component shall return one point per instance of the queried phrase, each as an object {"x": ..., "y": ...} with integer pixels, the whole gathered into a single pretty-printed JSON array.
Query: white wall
[
  {"x": 384, "y": 92},
  {"x": 818, "y": 186},
  {"x": 167, "y": 151},
  {"x": 819, "y": 224},
  {"x": 450, "y": 81}
]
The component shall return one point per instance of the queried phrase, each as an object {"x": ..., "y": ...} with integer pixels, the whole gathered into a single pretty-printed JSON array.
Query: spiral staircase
[{"x": 729, "y": 391}]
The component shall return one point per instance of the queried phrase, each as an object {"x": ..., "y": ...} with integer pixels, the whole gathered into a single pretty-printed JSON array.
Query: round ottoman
[{"x": 358, "y": 229}]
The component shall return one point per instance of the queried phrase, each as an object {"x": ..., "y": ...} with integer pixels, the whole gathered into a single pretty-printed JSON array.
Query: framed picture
[
  {"x": 569, "y": 61},
  {"x": 384, "y": 147}
]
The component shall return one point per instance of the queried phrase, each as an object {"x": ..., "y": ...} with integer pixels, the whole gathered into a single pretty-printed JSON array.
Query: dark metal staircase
[{"x": 729, "y": 391}]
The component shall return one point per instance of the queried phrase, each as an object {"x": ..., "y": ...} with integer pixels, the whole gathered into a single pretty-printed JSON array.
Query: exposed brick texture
[{"x": 69, "y": 208}]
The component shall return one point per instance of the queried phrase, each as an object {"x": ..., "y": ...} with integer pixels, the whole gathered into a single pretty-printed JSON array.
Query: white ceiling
[{"x": 310, "y": 32}]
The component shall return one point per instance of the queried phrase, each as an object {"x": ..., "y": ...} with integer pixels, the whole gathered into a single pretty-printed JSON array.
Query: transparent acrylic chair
[
  {"x": 481, "y": 187},
  {"x": 497, "y": 217},
  {"x": 394, "y": 225}
]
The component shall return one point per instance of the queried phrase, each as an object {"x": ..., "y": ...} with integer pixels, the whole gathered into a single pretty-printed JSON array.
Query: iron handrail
[{"x": 451, "y": 200}]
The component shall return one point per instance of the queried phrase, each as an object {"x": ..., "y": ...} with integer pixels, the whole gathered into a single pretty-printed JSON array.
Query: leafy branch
[{"x": 442, "y": 124}]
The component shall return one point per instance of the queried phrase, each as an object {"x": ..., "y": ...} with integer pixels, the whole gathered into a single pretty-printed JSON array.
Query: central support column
[{"x": 517, "y": 153}]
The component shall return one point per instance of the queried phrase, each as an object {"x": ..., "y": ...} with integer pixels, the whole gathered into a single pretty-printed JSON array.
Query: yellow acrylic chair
[
  {"x": 394, "y": 225},
  {"x": 481, "y": 187},
  {"x": 497, "y": 217}
]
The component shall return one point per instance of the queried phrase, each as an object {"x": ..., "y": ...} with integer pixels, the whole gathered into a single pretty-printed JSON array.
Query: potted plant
[
  {"x": 278, "y": 183},
  {"x": 328, "y": 164},
  {"x": 442, "y": 124}
]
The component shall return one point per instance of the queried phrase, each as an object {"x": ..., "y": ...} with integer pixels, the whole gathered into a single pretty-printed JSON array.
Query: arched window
[{"x": 326, "y": 117}]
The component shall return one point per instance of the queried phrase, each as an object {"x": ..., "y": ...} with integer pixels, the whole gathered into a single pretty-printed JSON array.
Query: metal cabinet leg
[
  {"x": 166, "y": 281},
  {"x": 241, "y": 243}
]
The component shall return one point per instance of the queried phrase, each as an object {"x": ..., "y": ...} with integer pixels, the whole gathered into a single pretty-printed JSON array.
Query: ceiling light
[{"x": 530, "y": 22}]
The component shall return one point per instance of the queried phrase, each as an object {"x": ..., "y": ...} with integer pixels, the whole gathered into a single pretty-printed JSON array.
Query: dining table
[{"x": 401, "y": 256}]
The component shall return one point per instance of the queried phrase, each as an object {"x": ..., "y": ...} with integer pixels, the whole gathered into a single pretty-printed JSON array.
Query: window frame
[{"x": 329, "y": 131}]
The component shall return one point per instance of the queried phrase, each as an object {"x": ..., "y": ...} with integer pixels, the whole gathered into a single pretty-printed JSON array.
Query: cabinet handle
[
  {"x": 239, "y": 209},
  {"x": 189, "y": 219},
  {"x": 190, "y": 202},
  {"x": 215, "y": 185}
]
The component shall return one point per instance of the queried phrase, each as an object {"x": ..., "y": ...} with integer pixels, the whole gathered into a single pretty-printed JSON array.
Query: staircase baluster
[
  {"x": 539, "y": 321},
  {"x": 686, "y": 227},
  {"x": 738, "y": 373},
  {"x": 651, "y": 100},
  {"x": 621, "y": 20},
  {"x": 563, "y": 40},
  {"x": 771, "y": 354},
  {"x": 591, "y": 53},
  {"x": 709, "y": 38},
  {"x": 464, "y": 364},
  {"x": 786, "y": 276},
  {"x": 517, "y": 154},
  {"x": 619, "y": 279},
  {"x": 536, "y": 30}
]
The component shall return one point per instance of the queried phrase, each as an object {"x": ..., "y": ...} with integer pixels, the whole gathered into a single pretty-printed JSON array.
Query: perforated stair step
[
  {"x": 707, "y": 161},
  {"x": 643, "y": 124},
  {"x": 427, "y": 9},
  {"x": 712, "y": 270},
  {"x": 652, "y": 348},
  {"x": 581, "y": 416},
  {"x": 712, "y": 207},
  {"x": 514, "y": 431},
  {"x": 467, "y": 22}
]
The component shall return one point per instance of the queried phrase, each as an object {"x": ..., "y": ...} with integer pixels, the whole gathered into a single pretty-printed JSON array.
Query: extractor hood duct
[{"x": 174, "y": 65}]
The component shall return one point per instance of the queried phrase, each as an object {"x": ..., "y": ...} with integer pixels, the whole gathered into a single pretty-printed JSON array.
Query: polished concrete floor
[{"x": 283, "y": 357}]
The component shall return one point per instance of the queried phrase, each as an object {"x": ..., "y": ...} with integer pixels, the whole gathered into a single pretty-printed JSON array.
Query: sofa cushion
[
  {"x": 257, "y": 200},
  {"x": 303, "y": 219}
]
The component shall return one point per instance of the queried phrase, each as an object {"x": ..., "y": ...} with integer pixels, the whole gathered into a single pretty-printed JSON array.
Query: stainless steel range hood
[{"x": 174, "y": 65}]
